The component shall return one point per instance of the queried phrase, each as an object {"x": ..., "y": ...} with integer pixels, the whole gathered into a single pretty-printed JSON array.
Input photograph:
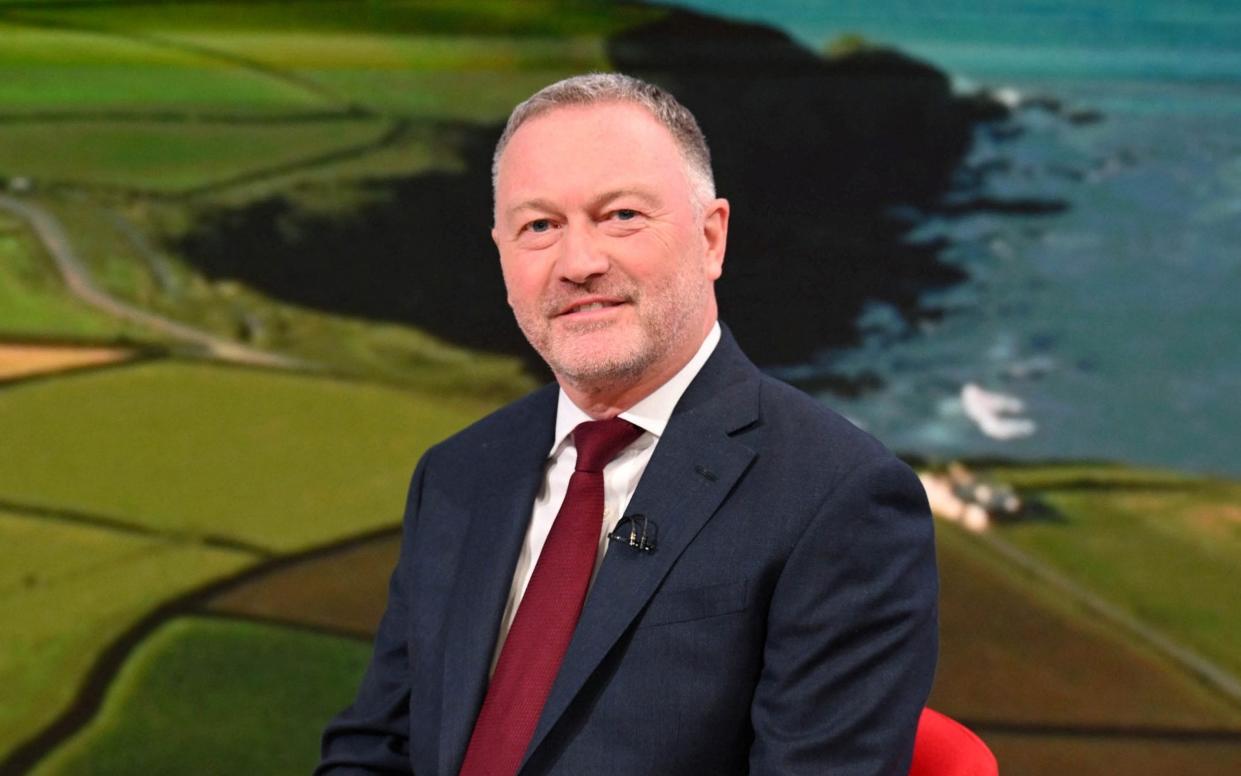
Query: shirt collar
[{"x": 653, "y": 412}]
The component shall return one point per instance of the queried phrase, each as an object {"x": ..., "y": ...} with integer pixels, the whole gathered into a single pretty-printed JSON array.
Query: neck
[{"x": 607, "y": 401}]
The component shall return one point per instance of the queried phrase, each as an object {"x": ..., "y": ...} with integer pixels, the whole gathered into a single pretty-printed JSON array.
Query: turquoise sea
[{"x": 1110, "y": 329}]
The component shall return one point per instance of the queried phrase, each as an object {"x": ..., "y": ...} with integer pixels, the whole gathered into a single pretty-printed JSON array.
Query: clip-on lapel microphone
[{"x": 636, "y": 532}]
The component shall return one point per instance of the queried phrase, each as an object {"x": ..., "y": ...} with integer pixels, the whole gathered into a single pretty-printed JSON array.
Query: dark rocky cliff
[{"x": 814, "y": 153}]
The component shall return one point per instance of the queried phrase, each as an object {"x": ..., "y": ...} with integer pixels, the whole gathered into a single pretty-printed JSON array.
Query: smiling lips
[{"x": 588, "y": 306}]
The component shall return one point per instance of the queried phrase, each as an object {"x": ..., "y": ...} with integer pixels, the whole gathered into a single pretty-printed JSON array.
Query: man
[{"x": 667, "y": 563}]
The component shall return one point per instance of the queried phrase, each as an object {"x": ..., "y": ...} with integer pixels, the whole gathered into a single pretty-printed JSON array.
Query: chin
[{"x": 588, "y": 362}]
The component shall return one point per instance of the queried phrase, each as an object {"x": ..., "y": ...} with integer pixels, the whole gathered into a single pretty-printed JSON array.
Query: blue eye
[
  {"x": 624, "y": 214},
  {"x": 541, "y": 225}
]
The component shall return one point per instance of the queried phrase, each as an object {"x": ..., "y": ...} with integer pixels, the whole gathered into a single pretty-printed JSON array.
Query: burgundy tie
[{"x": 548, "y": 612}]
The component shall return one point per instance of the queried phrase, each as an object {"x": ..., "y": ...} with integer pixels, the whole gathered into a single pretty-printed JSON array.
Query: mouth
[{"x": 588, "y": 306}]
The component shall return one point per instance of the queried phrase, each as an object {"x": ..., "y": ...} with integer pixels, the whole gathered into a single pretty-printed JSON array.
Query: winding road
[{"x": 78, "y": 280}]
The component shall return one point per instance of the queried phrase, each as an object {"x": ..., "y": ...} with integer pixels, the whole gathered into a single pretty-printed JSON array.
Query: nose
[{"x": 582, "y": 256}]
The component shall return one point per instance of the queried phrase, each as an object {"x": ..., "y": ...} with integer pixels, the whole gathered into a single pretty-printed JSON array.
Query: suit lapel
[
  {"x": 511, "y": 472},
  {"x": 694, "y": 467}
]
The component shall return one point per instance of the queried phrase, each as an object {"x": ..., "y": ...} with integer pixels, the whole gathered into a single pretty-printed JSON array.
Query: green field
[
  {"x": 169, "y": 157},
  {"x": 1011, "y": 653},
  {"x": 66, "y": 592},
  {"x": 1166, "y": 548},
  {"x": 281, "y": 461},
  {"x": 529, "y": 18},
  {"x": 116, "y": 68},
  {"x": 383, "y": 51},
  {"x": 202, "y": 457},
  {"x": 420, "y": 75},
  {"x": 241, "y": 697},
  {"x": 85, "y": 71},
  {"x": 413, "y": 58},
  {"x": 1014, "y": 651}
]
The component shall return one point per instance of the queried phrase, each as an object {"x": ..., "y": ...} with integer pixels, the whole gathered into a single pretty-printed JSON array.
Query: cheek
[
  {"x": 521, "y": 281},
  {"x": 668, "y": 262},
  {"x": 643, "y": 256},
  {"x": 520, "y": 297}
]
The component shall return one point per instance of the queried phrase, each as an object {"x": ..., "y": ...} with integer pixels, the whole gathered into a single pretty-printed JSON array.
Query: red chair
[{"x": 945, "y": 747}]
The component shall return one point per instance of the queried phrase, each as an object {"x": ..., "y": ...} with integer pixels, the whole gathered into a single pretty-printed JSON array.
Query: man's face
[{"x": 608, "y": 262}]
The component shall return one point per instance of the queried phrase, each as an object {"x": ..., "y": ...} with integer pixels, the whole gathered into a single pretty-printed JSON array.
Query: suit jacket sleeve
[
  {"x": 372, "y": 735},
  {"x": 852, "y": 633}
]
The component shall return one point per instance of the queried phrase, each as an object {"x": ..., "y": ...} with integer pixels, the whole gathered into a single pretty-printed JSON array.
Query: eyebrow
[
  {"x": 530, "y": 204},
  {"x": 599, "y": 201},
  {"x": 647, "y": 197}
]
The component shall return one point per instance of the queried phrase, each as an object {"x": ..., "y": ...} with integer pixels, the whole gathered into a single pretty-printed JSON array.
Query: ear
[{"x": 715, "y": 235}]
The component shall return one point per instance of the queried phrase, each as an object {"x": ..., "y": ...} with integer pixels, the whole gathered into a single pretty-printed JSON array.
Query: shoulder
[
  {"x": 801, "y": 425},
  {"x": 853, "y": 498},
  {"x": 796, "y": 438},
  {"x": 816, "y": 458}
]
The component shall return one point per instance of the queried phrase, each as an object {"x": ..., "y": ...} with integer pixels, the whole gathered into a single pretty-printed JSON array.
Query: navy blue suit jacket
[{"x": 784, "y": 624}]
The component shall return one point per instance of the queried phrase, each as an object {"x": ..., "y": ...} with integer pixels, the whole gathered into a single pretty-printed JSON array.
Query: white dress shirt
[{"x": 620, "y": 477}]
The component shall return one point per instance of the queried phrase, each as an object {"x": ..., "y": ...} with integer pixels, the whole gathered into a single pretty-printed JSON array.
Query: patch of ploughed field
[{"x": 25, "y": 360}]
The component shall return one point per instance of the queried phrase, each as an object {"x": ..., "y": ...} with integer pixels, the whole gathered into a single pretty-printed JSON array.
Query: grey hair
[{"x": 594, "y": 88}]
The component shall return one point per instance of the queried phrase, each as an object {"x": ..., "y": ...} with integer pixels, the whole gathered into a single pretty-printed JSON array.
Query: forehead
[{"x": 587, "y": 147}]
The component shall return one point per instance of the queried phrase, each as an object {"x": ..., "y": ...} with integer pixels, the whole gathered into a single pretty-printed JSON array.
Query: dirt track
[{"x": 79, "y": 282}]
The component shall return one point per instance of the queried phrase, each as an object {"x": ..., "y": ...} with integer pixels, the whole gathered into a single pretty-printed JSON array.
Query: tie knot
[{"x": 599, "y": 441}]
